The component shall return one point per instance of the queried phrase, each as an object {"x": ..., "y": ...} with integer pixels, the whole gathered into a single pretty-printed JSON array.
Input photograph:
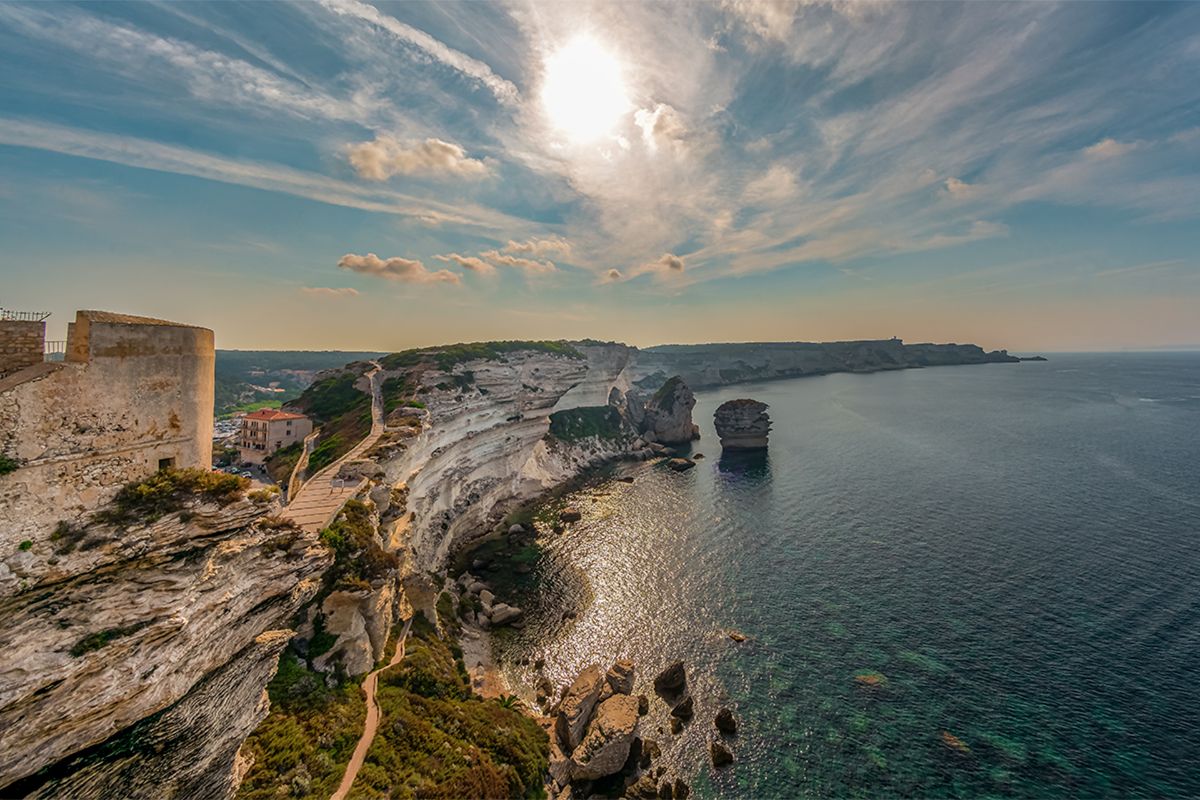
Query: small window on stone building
[{"x": 166, "y": 463}]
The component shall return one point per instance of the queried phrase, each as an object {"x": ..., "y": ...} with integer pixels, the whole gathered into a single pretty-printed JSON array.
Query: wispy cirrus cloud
[
  {"x": 505, "y": 91},
  {"x": 329, "y": 291}
]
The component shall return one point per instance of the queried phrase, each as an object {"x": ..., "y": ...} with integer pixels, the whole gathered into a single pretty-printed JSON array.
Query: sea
[{"x": 970, "y": 581}]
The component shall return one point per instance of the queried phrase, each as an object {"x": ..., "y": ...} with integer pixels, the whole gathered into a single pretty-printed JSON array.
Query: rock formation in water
[
  {"x": 742, "y": 424},
  {"x": 667, "y": 416}
]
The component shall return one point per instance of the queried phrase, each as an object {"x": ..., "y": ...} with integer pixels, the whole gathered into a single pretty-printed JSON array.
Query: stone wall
[
  {"x": 21, "y": 344},
  {"x": 134, "y": 394}
]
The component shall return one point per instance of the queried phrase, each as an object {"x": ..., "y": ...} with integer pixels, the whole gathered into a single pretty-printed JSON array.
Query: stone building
[
  {"x": 267, "y": 430},
  {"x": 131, "y": 395}
]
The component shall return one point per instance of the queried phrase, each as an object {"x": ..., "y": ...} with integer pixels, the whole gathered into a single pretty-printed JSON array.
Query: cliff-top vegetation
[
  {"x": 447, "y": 357},
  {"x": 343, "y": 412},
  {"x": 358, "y": 555},
  {"x": 167, "y": 491}
]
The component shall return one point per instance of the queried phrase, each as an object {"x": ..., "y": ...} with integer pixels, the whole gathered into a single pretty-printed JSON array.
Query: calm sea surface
[{"x": 1013, "y": 549}]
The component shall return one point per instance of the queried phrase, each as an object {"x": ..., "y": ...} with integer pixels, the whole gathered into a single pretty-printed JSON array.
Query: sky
[{"x": 337, "y": 174}]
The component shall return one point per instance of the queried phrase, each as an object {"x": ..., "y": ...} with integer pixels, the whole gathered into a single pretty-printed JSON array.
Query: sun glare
[{"x": 584, "y": 93}]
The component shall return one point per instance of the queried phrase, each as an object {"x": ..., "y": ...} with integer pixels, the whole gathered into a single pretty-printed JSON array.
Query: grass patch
[
  {"x": 281, "y": 463},
  {"x": 167, "y": 491},
  {"x": 573, "y": 424}
]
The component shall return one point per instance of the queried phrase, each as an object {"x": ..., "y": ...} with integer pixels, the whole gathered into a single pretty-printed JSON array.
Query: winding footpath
[
  {"x": 372, "y": 723},
  {"x": 323, "y": 495}
]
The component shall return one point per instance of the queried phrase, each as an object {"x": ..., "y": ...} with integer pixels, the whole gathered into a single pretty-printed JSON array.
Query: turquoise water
[{"x": 1013, "y": 548}]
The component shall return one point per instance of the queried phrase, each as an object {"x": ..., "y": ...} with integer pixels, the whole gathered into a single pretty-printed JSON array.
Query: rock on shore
[{"x": 742, "y": 424}]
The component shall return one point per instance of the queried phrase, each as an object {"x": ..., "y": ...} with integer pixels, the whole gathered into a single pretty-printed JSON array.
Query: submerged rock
[
  {"x": 570, "y": 515},
  {"x": 742, "y": 424},
  {"x": 681, "y": 464},
  {"x": 671, "y": 679},
  {"x": 954, "y": 743},
  {"x": 719, "y": 753},
  {"x": 685, "y": 709}
]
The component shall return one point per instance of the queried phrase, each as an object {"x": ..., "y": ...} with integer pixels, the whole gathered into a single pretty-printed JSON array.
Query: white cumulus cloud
[
  {"x": 404, "y": 270},
  {"x": 384, "y": 157}
]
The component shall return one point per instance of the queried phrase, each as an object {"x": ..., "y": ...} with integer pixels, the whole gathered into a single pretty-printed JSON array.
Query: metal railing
[
  {"x": 9, "y": 315},
  {"x": 55, "y": 348}
]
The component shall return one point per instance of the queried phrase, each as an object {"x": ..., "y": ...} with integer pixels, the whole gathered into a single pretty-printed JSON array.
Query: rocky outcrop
[
  {"x": 605, "y": 746},
  {"x": 667, "y": 415},
  {"x": 126, "y": 622},
  {"x": 594, "y": 732},
  {"x": 576, "y": 707},
  {"x": 361, "y": 621},
  {"x": 742, "y": 424}
]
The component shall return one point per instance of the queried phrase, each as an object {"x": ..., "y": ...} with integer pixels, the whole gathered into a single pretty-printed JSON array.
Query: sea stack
[{"x": 742, "y": 424}]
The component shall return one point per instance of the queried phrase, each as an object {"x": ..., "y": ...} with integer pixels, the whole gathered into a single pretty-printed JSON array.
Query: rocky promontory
[{"x": 742, "y": 424}]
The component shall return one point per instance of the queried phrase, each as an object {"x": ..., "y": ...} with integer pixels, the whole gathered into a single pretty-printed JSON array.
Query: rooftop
[{"x": 272, "y": 414}]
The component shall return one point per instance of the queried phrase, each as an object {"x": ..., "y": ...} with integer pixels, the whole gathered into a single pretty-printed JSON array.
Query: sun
[{"x": 584, "y": 93}]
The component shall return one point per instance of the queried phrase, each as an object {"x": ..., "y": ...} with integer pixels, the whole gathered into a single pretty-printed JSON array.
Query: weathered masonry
[{"x": 131, "y": 395}]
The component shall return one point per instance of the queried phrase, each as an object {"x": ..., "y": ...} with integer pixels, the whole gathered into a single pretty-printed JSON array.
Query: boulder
[
  {"x": 503, "y": 614},
  {"x": 487, "y": 598},
  {"x": 685, "y": 709},
  {"x": 742, "y": 424},
  {"x": 570, "y": 515},
  {"x": 682, "y": 790},
  {"x": 719, "y": 753},
  {"x": 576, "y": 707},
  {"x": 650, "y": 751},
  {"x": 620, "y": 677},
  {"x": 605, "y": 746},
  {"x": 477, "y": 587},
  {"x": 725, "y": 722},
  {"x": 681, "y": 464},
  {"x": 643, "y": 704},
  {"x": 666, "y": 791},
  {"x": 671, "y": 679},
  {"x": 515, "y": 529},
  {"x": 676, "y": 725}
]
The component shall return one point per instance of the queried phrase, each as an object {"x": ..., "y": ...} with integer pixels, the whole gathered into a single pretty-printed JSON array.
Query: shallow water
[{"x": 1012, "y": 547}]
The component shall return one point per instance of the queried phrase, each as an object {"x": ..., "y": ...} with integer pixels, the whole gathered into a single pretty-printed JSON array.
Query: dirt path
[
  {"x": 372, "y": 723},
  {"x": 322, "y": 497}
]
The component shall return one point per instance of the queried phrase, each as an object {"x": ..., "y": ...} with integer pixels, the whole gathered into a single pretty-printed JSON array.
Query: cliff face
[
  {"x": 112, "y": 625},
  {"x": 478, "y": 445},
  {"x": 720, "y": 364}
]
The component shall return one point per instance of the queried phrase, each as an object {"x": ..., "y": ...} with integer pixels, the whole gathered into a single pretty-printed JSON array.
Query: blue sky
[{"x": 339, "y": 174}]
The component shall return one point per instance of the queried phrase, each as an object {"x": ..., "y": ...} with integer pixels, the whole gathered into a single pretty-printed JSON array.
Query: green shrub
[
  {"x": 301, "y": 749},
  {"x": 7, "y": 465},
  {"x": 167, "y": 490},
  {"x": 325, "y": 453},
  {"x": 332, "y": 397},
  {"x": 358, "y": 555},
  {"x": 95, "y": 641}
]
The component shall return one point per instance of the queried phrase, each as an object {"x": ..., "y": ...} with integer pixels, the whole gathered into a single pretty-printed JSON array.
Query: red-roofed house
[{"x": 266, "y": 430}]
